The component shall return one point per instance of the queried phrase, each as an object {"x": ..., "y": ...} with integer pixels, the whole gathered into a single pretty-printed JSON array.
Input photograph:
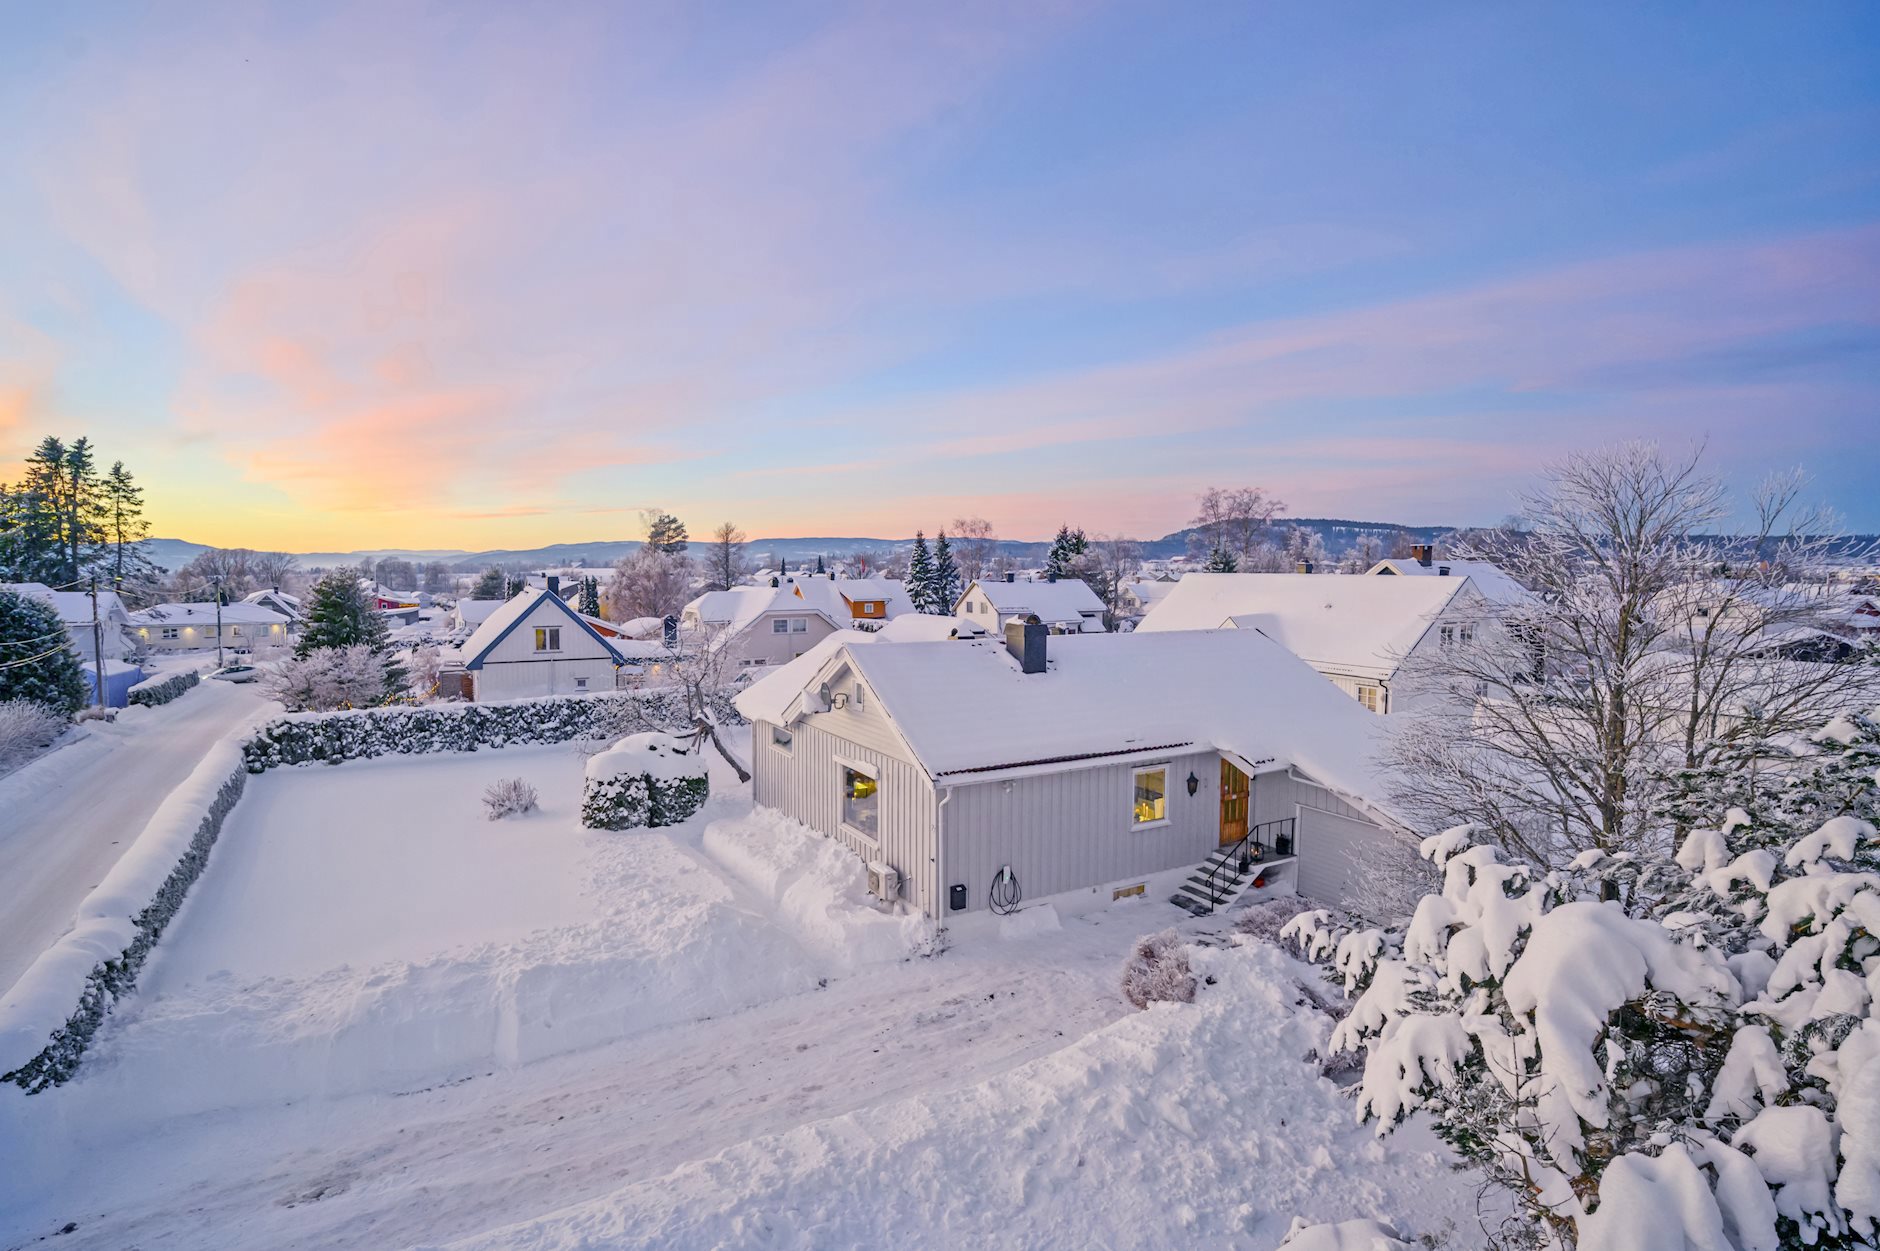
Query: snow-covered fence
[
  {"x": 42, "y": 1034},
  {"x": 153, "y": 691}
]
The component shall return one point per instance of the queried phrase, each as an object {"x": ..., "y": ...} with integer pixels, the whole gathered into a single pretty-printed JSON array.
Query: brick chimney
[{"x": 1423, "y": 553}]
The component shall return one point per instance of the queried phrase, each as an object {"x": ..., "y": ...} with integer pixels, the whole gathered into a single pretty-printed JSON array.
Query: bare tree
[
  {"x": 973, "y": 546},
  {"x": 647, "y": 583},
  {"x": 1648, "y": 645},
  {"x": 1112, "y": 563},
  {"x": 220, "y": 569},
  {"x": 725, "y": 565},
  {"x": 1233, "y": 520},
  {"x": 273, "y": 569}
]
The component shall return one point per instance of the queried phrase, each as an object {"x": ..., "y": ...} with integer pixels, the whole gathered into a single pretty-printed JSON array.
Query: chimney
[
  {"x": 554, "y": 586},
  {"x": 1010, "y": 576},
  {"x": 1026, "y": 641},
  {"x": 669, "y": 632},
  {"x": 1423, "y": 553},
  {"x": 1051, "y": 576},
  {"x": 1305, "y": 566},
  {"x": 1442, "y": 571}
]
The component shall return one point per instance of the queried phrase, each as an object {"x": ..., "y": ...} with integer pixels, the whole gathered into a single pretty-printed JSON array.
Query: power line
[{"x": 15, "y": 664}]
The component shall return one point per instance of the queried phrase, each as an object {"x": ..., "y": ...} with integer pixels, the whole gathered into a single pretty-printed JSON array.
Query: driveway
[{"x": 69, "y": 815}]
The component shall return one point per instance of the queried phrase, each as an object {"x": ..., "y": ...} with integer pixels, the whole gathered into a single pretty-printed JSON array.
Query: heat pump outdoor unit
[{"x": 884, "y": 881}]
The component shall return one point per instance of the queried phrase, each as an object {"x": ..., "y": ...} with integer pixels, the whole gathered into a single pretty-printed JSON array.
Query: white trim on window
[
  {"x": 873, "y": 773},
  {"x": 1134, "y": 798}
]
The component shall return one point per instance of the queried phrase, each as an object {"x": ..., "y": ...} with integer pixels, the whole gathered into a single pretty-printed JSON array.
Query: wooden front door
[{"x": 1235, "y": 793}]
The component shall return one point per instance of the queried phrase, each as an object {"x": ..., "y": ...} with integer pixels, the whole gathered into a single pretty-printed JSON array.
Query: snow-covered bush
[
  {"x": 1361, "y": 1235},
  {"x": 1648, "y": 1051},
  {"x": 1157, "y": 971},
  {"x": 26, "y": 726},
  {"x": 644, "y": 780},
  {"x": 154, "y": 691},
  {"x": 509, "y": 797},
  {"x": 328, "y": 678},
  {"x": 427, "y": 666}
]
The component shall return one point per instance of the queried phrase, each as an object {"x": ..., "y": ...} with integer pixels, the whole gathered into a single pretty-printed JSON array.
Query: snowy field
[{"x": 383, "y": 1021}]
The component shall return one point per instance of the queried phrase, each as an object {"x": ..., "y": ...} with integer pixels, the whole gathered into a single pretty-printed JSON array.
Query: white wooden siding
[
  {"x": 524, "y": 679},
  {"x": 804, "y": 783}
]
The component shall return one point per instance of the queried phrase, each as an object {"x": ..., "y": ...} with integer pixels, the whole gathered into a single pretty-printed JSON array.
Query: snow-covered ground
[
  {"x": 69, "y": 815},
  {"x": 383, "y": 1021}
]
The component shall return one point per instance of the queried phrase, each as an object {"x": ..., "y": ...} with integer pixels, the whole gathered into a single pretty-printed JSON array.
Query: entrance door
[{"x": 1235, "y": 792}]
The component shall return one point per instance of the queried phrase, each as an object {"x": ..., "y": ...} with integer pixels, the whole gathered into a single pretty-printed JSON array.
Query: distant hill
[{"x": 1339, "y": 535}]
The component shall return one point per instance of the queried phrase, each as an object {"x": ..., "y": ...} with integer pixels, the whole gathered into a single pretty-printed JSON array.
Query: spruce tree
[
  {"x": 37, "y": 662},
  {"x": 125, "y": 530},
  {"x": 819, "y": 567},
  {"x": 1220, "y": 560},
  {"x": 946, "y": 576},
  {"x": 1066, "y": 557},
  {"x": 491, "y": 584},
  {"x": 339, "y": 614},
  {"x": 591, "y": 597},
  {"x": 921, "y": 588}
]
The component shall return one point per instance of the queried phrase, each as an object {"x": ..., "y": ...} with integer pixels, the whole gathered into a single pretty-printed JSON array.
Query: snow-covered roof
[
  {"x": 965, "y": 709},
  {"x": 268, "y": 595},
  {"x": 1066, "y": 600},
  {"x": 1149, "y": 592},
  {"x": 736, "y": 609},
  {"x": 1487, "y": 576},
  {"x": 918, "y": 627},
  {"x": 204, "y": 614},
  {"x": 497, "y": 626},
  {"x": 477, "y": 611},
  {"x": 72, "y": 606},
  {"x": 1355, "y": 624},
  {"x": 892, "y": 594}
]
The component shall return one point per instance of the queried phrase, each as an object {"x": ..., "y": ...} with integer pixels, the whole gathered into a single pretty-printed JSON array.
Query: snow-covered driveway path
[
  {"x": 387, "y": 1171},
  {"x": 66, "y": 818}
]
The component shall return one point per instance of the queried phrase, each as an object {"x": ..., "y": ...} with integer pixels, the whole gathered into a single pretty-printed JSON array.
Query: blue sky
[{"x": 474, "y": 276}]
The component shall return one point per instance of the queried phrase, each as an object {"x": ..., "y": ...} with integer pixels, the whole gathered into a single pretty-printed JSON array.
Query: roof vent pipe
[
  {"x": 1026, "y": 641},
  {"x": 1442, "y": 571}
]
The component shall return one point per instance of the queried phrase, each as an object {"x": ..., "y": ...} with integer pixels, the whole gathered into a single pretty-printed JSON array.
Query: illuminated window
[
  {"x": 548, "y": 638},
  {"x": 1151, "y": 795},
  {"x": 1372, "y": 697},
  {"x": 861, "y": 802}
]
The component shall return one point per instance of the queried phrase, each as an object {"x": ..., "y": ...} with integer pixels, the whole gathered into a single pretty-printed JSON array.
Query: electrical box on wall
[{"x": 956, "y": 897}]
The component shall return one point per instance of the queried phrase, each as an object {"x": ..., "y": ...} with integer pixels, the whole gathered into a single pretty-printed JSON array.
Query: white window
[
  {"x": 799, "y": 625},
  {"x": 861, "y": 802},
  {"x": 859, "y": 701},
  {"x": 1372, "y": 697},
  {"x": 1468, "y": 633},
  {"x": 1448, "y": 635},
  {"x": 171, "y": 632},
  {"x": 781, "y": 738},
  {"x": 1149, "y": 805},
  {"x": 548, "y": 638},
  {"x": 780, "y": 626}
]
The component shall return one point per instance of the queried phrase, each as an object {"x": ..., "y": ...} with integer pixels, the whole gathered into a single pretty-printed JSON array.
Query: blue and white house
[{"x": 537, "y": 644}]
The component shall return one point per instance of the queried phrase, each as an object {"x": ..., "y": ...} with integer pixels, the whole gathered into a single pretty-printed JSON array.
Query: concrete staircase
[{"x": 1201, "y": 894}]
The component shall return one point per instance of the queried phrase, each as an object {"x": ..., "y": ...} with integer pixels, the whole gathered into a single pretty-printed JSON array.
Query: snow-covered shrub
[
  {"x": 509, "y": 797},
  {"x": 1264, "y": 920},
  {"x": 328, "y": 678},
  {"x": 26, "y": 726},
  {"x": 644, "y": 780},
  {"x": 1361, "y": 1235},
  {"x": 1157, "y": 971},
  {"x": 1648, "y": 1051},
  {"x": 154, "y": 691}
]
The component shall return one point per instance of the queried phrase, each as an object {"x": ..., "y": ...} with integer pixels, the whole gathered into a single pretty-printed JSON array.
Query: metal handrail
[{"x": 1251, "y": 848}]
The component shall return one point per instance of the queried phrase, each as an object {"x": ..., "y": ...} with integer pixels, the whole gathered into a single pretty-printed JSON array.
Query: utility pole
[
  {"x": 218, "y": 620},
  {"x": 97, "y": 644}
]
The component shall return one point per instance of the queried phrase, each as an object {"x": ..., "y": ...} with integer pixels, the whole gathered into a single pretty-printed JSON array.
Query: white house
[
  {"x": 765, "y": 626},
  {"x": 276, "y": 600},
  {"x": 1084, "y": 764},
  {"x": 1137, "y": 598},
  {"x": 193, "y": 627},
  {"x": 74, "y": 609},
  {"x": 467, "y": 614},
  {"x": 1360, "y": 632},
  {"x": 537, "y": 644},
  {"x": 1062, "y": 607},
  {"x": 1487, "y": 576}
]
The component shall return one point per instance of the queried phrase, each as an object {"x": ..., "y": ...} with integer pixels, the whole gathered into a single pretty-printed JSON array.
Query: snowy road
[{"x": 70, "y": 815}]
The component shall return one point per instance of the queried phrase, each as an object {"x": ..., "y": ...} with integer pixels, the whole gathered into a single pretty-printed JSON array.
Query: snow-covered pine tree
[
  {"x": 921, "y": 587},
  {"x": 36, "y": 658},
  {"x": 820, "y": 571},
  {"x": 946, "y": 577},
  {"x": 590, "y": 603},
  {"x": 341, "y": 614},
  {"x": 1220, "y": 560},
  {"x": 492, "y": 583},
  {"x": 1065, "y": 559},
  {"x": 1648, "y": 1051}
]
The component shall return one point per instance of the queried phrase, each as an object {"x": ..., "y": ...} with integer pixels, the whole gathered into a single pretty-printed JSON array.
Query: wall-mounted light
[{"x": 1194, "y": 783}]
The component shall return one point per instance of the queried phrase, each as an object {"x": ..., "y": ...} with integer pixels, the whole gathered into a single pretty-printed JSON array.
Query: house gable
[{"x": 561, "y": 613}]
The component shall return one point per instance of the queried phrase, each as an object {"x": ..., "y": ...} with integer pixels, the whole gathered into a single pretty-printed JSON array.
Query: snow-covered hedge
[
  {"x": 153, "y": 691},
  {"x": 1647, "y": 1051},
  {"x": 330, "y": 738},
  {"x": 644, "y": 780},
  {"x": 42, "y": 1034}
]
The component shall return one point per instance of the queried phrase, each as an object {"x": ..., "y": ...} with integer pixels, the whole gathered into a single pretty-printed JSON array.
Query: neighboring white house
[
  {"x": 765, "y": 626},
  {"x": 74, "y": 609},
  {"x": 1085, "y": 763},
  {"x": 276, "y": 600},
  {"x": 1488, "y": 577},
  {"x": 1063, "y": 607},
  {"x": 1137, "y": 598},
  {"x": 537, "y": 644},
  {"x": 1360, "y": 632},
  {"x": 467, "y": 614},
  {"x": 192, "y": 627}
]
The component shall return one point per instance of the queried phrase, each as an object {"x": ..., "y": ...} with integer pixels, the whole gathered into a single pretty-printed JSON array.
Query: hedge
[{"x": 153, "y": 691}]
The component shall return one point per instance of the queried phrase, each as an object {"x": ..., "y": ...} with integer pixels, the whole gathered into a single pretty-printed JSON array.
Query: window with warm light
[
  {"x": 1372, "y": 697},
  {"x": 1151, "y": 795},
  {"x": 548, "y": 638},
  {"x": 861, "y": 802}
]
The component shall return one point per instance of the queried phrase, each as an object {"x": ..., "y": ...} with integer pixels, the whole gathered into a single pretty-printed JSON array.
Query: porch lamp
[{"x": 1194, "y": 783}]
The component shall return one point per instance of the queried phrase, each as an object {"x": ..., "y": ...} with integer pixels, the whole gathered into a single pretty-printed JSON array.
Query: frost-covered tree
[
  {"x": 1304, "y": 547},
  {"x": 1364, "y": 553},
  {"x": 1645, "y": 647},
  {"x": 492, "y": 583},
  {"x": 921, "y": 588},
  {"x": 647, "y": 583},
  {"x": 1232, "y": 520},
  {"x": 590, "y": 597},
  {"x": 1220, "y": 560},
  {"x": 1067, "y": 555},
  {"x": 349, "y": 676},
  {"x": 1112, "y": 564},
  {"x": 427, "y": 666},
  {"x": 725, "y": 562},
  {"x": 340, "y": 614},
  {"x": 121, "y": 518},
  {"x": 974, "y": 544},
  {"x": 665, "y": 533},
  {"x": 946, "y": 577},
  {"x": 36, "y": 658},
  {"x": 1647, "y": 1051}
]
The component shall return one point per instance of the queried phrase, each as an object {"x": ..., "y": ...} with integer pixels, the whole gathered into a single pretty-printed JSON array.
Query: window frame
[
  {"x": 845, "y": 766},
  {"x": 781, "y": 739},
  {"x": 799, "y": 625},
  {"x": 547, "y": 640},
  {"x": 779, "y": 625},
  {"x": 170, "y": 634},
  {"x": 1135, "y": 775},
  {"x": 1375, "y": 702}
]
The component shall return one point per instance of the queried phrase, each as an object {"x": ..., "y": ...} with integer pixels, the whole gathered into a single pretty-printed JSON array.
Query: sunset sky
[{"x": 471, "y": 276}]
